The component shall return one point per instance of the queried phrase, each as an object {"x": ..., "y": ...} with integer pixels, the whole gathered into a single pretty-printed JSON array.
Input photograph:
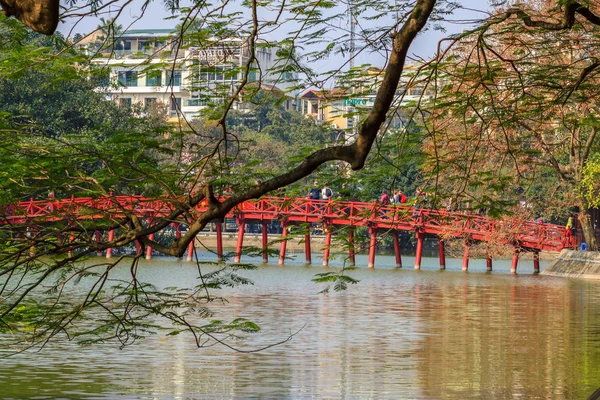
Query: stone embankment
[
  {"x": 295, "y": 243},
  {"x": 575, "y": 264}
]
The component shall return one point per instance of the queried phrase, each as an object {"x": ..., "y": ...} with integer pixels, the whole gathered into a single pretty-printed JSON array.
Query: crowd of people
[
  {"x": 326, "y": 193},
  {"x": 395, "y": 197}
]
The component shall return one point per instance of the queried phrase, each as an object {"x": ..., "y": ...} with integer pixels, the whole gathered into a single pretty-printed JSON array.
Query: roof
[{"x": 323, "y": 94}]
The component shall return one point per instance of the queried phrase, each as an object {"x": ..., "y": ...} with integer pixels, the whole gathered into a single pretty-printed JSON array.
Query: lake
[{"x": 397, "y": 334}]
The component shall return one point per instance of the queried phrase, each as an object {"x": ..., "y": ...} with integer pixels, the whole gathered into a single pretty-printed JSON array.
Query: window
[
  {"x": 145, "y": 45},
  {"x": 128, "y": 78},
  {"x": 229, "y": 73},
  {"x": 174, "y": 78},
  {"x": 252, "y": 76},
  {"x": 175, "y": 106},
  {"x": 123, "y": 45},
  {"x": 125, "y": 101},
  {"x": 149, "y": 100},
  {"x": 154, "y": 78},
  {"x": 219, "y": 73}
]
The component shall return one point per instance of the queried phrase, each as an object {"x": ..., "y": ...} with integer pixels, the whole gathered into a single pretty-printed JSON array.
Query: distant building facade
[
  {"x": 341, "y": 106},
  {"x": 147, "y": 66}
]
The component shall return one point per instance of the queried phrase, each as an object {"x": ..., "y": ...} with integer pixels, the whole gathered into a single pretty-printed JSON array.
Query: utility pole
[{"x": 352, "y": 22}]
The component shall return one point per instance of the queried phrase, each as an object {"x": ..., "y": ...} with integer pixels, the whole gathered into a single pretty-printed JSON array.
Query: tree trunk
[{"x": 589, "y": 234}]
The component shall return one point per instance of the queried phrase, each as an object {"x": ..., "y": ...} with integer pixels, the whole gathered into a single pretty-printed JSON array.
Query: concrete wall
[{"x": 575, "y": 264}]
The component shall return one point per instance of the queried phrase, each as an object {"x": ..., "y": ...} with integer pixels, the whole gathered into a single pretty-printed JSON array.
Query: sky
[{"x": 424, "y": 46}]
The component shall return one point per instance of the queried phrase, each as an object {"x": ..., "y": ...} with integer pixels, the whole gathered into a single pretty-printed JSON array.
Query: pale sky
[{"x": 154, "y": 18}]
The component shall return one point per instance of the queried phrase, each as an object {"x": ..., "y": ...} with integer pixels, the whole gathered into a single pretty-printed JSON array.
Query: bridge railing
[{"x": 335, "y": 212}]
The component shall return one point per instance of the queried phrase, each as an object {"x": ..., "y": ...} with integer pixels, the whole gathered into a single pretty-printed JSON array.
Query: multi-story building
[
  {"x": 342, "y": 106},
  {"x": 147, "y": 66}
]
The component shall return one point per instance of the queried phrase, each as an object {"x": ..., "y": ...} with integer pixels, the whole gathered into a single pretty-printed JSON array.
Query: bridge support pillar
[
  {"x": 138, "y": 248},
  {"x": 372, "y": 247},
  {"x": 442, "y": 249},
  {"x": 283, "y": 245},
  {"x": 111, "y": 237},
  {"x": 307, "y": 251},
  {"x": 515, "y": 261},
  {"x": 190, "y": 249},
  {"x": 327, "y": 248},
  {"x": 536, "y": 262},
  {"x": 148, "y": 248},
  {"x": 219, "y": 233},
  {"x": 465, "y": 263},
  {"x": 240, "y": 242},
  {"x": 265, "y": 243},
  {"x": 98, "y": 236},
  {"x": 419, "y": 252},
  {"x": 352, "y": 260},
  {"x": 71, "y": 239},
  {"x": 397, "y": 249},
  {"x": 488, "y": 262},
  {"x": 177, "y": 234}
]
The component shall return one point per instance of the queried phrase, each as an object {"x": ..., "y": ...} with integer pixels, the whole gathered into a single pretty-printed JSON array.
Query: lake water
[{"x": 398, "y": 334}]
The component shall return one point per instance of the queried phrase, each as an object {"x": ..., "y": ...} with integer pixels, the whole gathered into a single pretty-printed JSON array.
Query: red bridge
[{"x": 471, "y": 228}]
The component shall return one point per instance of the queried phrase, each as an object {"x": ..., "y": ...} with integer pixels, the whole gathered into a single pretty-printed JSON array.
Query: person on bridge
[
  {"x": 315, "y": 192},
  {"x": 345, "y": 193},
  {"x": 326, "y": 193},
  {"x": 384, "y": 200}
]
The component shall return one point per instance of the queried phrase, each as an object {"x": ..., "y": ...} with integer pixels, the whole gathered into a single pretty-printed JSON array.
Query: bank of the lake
[{"x": 576, "y": 264}]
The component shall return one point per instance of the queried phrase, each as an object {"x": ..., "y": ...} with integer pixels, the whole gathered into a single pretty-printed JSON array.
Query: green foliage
[
  {"x": 335, "y": 279},
  {"x": 589, "y": 186},
  {"x": 59, "y": 134}
]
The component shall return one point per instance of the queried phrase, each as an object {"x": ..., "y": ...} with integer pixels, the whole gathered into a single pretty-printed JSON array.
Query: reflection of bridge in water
[{"x": 471, "y": 228}]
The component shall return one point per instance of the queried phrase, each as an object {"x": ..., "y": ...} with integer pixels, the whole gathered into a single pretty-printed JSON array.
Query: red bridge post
[
  {"x": 307, "y": 251},
  {"x": 98, "y": 236},
  {"x": 536, "y": 262},
  {"x": 111, "y": 237},
  {"x": 283, "y": 245},
  {"x": 442, "y": 249},
  {"x": 71, "y": 240},
  {"x": 149, "y": 248},
  {"x": 465, "y": 263},
  {"x": 488, "y": 262},
  {"x": 352, "y": 260},
  {"x": 515, "y": 261},
  {"x": 219, "y": 233},
  {"x": 177, "y": 234},
  {"x": 419, "y": 252},
  {"x": 240, "y": 241},
  {"x": 327, "y": 248},
  {"x": 372, "y": 246},
  {"x": 265, "y": 243},
  {"x": 190, "y": 249},
  {"x": 397, "y": 249}
]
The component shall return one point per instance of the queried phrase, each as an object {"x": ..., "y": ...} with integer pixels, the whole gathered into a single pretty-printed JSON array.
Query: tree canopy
[{"x": 513, "y": 100}]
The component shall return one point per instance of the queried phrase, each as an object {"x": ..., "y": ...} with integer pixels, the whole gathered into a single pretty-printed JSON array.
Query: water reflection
[{"x": 398, "y": 334}]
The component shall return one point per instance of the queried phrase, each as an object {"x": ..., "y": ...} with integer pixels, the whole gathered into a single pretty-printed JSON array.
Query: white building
[{"x": 146, "y": 66}]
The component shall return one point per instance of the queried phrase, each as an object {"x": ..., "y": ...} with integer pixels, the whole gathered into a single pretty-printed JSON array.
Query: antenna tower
[{"x": 352, "y": 23}]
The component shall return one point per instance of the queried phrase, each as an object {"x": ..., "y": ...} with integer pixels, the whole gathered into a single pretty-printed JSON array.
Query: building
[
  {"x": 148, "y": 66},
  {"x": 343, "y": 105}
]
